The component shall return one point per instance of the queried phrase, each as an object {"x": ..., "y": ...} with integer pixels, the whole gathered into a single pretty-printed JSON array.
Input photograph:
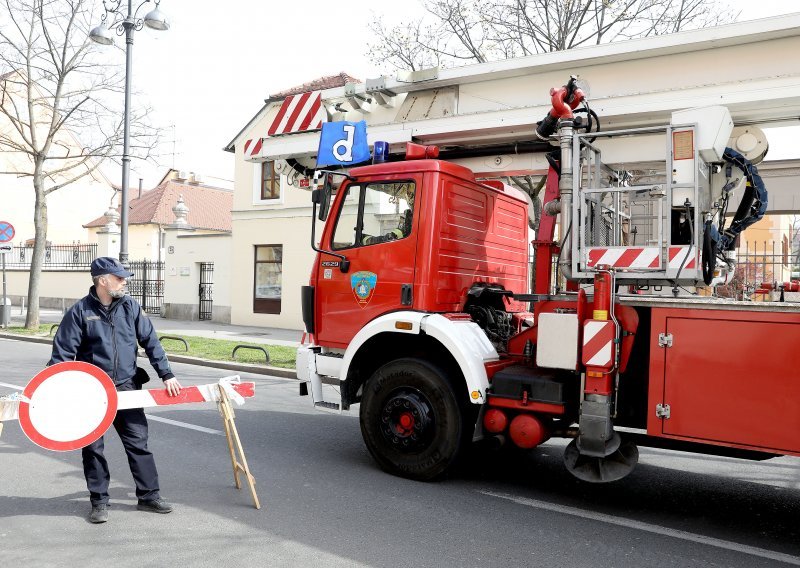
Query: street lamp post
[{"x": 126, "y": 24}]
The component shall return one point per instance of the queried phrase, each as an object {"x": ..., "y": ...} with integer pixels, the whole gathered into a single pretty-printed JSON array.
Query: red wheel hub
[
  {"x": 405, "y": 423},
  {"x": 407, "y": 419}
]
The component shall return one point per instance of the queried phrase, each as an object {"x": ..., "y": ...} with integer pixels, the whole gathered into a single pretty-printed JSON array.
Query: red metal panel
[
  {"x": 729, "y": 378},
  {"x": 463, "y": 232},
  {"x": 480, "y": 236}
]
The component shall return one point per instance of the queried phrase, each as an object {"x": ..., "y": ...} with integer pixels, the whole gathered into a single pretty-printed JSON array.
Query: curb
[{"x": 227, "y": 365}]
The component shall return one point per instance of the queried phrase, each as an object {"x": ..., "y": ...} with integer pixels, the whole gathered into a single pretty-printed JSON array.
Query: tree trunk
[{"x": 40, "y": 232}]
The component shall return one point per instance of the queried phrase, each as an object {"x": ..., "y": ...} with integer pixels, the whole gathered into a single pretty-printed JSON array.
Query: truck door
[{"x": 374, "y": 228}]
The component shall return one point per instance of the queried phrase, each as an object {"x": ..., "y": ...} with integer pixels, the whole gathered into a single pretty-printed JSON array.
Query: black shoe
[
  {"x": 154, "y": 506},
  {"x": 99, "y": 513}
]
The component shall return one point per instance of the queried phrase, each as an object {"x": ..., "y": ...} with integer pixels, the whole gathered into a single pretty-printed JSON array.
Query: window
[
  {"x": 270, "y": 181},
  {"x": 374, "y": 213},
  {"x": 267, "y": 285}
]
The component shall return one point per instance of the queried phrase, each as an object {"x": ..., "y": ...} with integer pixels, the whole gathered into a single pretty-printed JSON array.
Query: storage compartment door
[{"x": 734, "y": 381}]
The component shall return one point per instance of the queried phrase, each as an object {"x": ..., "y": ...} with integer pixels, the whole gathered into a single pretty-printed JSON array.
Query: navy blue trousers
[{"x": 131, "y": 426}]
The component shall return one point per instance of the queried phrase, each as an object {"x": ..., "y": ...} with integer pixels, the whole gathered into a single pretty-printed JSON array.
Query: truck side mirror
[{"x": 322, "y": 197}]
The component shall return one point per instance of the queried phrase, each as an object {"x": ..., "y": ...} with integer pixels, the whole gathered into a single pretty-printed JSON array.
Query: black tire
[{"x": 412, "y": 421}]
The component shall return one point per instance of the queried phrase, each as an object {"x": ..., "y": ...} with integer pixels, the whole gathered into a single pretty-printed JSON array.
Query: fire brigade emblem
[{"x": 363, "y": 284}]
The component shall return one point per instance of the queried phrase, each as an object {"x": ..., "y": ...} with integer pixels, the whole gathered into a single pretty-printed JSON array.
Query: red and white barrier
[
  {"x": 203, "y": 393},
  {"x": 70, "y": 405}
]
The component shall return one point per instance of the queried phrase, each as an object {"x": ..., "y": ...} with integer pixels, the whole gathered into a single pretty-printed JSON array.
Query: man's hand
[{"x": 173, "y": 386}]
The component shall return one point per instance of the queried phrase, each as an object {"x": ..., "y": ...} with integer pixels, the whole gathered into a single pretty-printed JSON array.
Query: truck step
[{"x": 327, "y": 405}]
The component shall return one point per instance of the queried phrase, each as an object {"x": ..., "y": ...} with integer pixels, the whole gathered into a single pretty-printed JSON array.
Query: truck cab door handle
[{"x": 406, "y": 294}]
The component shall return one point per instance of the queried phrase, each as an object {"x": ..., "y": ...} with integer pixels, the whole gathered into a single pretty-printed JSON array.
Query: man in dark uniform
[{"x": 105, "y": 329}]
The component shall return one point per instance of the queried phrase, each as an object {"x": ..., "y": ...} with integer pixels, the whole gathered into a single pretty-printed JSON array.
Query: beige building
[{"x": 272, "y": 255}]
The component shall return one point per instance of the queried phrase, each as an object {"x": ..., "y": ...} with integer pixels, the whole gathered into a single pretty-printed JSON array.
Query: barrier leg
[{"x": 235, "y": 445}]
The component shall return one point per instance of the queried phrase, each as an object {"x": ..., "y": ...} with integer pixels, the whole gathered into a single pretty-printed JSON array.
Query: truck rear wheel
[{"x": 411, "y": 420}]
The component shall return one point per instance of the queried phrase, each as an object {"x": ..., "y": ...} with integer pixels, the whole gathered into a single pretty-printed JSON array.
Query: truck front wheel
[{"x": 411, "y": 420}]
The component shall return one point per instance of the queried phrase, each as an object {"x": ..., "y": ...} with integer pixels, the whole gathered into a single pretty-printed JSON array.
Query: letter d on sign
[
  {"x": 343, "y": 143},
  {"x": 343, "y": 149}
]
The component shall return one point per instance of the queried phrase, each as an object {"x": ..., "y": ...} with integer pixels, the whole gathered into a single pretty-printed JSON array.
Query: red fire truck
[{"x": 421, "y": 309}]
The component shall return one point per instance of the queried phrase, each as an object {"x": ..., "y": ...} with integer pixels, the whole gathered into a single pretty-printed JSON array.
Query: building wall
[
  {"x": 184, "y": 253},
  {"x": 292, "y": 232},
  {"x": 285, "y": 222},
  {"x": 763, "y": 244},
  {"x": 57, "y": 289},
  {"x": 143, "y": 241}
]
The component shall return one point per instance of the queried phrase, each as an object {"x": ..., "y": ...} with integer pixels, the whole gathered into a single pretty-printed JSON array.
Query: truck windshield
[{"x": 374, "y": 213}]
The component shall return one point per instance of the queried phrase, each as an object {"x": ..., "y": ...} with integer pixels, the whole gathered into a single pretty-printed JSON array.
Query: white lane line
[
  {"x": 9, "y": 385},
  {"x": 656, "y": 529},
  {"x": 185, "y": 425}
]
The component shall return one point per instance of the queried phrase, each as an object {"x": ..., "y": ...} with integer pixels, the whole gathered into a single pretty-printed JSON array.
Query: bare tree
[
  {"x": 61, "y": 103},
  {"x": 456, "y": 31}
]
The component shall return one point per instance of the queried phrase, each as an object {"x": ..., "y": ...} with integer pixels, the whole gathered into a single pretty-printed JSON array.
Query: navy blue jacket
[{"x": 109, "y": 338}]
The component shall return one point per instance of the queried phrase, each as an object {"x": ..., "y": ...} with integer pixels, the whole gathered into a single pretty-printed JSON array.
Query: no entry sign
[{"x": 71, "y": 405}]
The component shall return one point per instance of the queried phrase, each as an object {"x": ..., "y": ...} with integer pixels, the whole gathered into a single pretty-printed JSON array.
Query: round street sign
[
  {"x": 6, "y": 231},
  {"x": 72, "y": 404}
]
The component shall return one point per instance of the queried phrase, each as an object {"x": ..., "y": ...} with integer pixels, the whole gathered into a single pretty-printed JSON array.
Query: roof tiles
[{"x": 209, "y": 207}]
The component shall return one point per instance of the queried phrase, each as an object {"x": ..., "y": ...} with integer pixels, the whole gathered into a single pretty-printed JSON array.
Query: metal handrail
[
  {"x": 235, "y": 349},
  {"x": 176, "y": 338}
]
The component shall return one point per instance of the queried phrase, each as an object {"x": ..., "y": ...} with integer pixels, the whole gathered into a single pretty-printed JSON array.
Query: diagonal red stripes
[
  {"x": 298, "y": 107},
  {"x": 281, "y": 113},
  {"x": 600, "y": 340},
  {"x": 312, "y": 113}
]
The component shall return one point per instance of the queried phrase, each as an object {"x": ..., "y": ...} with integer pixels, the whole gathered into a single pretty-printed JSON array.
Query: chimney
[{"x": 140, "y": 188}]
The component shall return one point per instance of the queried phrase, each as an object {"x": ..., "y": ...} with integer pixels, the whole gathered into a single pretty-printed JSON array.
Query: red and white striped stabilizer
[
  {"x": 252, "y": 147},
  {"x": 598, "y": 343},
  {"x": 645, "y": 258},
  {"x": 299, "y": 113}
]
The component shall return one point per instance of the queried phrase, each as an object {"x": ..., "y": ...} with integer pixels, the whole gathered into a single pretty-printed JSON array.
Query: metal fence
[
  {"x": 147, "y": 284},
  {"x": 56, "y": 257},
  {"x": 760, "y": 267}
]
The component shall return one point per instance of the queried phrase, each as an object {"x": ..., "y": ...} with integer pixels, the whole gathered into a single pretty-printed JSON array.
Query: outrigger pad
[{"x": 601, "y": 470}]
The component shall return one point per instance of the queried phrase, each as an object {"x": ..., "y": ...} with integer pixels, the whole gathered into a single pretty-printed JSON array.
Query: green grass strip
[
  {"x": 44, "y": 329},
  {"x": 221, "y": 349},
  {"x": 204, "y": 348}
]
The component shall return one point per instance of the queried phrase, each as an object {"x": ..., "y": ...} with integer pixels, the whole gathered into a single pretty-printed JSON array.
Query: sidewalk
[{"x": 208, "y": 329}]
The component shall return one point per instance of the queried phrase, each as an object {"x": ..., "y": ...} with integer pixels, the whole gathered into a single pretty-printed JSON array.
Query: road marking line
[
  {"x": 656, "y": 529},
  {"x": 9, "y": 385},
  {"x": 185, "y": 425}
]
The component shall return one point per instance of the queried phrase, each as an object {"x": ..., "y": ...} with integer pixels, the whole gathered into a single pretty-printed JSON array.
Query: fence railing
[
  {"x": 759, "y": 265},
  {"x": 56, "y": 257},
  {"x": 147, "y": 284}
]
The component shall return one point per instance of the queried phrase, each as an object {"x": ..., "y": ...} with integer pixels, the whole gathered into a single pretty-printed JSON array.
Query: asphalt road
[{"x": 325, "y": 503}]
